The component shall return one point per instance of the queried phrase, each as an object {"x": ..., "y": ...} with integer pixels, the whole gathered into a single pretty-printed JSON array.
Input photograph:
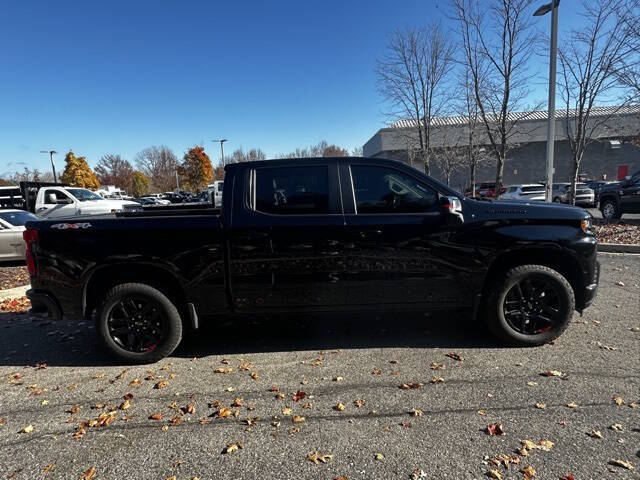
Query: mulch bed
[
  {"x": 623, "y": 231},
  {"x": 11, "y": 277}
]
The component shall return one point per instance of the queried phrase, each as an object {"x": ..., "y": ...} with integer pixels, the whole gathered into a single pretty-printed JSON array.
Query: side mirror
[{"x": 451, "y": 207}]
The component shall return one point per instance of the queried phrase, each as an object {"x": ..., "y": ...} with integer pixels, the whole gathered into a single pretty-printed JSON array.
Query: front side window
[
  {"x": 58, "y": 195},
  {"x": 386, "y": 190},
  {"x": 292, "y": 190}
]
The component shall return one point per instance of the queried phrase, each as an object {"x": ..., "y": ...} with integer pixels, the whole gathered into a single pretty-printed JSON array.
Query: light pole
[
  {"x": 553, "y": 55},
  {"x": 53, "y": 166},
  {"x": 221, "y": 147}
]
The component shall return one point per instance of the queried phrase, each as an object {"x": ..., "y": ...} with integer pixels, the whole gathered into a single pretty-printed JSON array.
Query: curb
[
  {"x": 14, "y": 292},
  {"x": 618, "y": 248}
]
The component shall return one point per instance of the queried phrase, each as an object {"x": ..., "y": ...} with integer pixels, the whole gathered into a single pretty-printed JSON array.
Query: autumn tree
[
  {"x": 78, "y": 173},
  {"x": 159, "y": 164},
  {"x": 114, "y": 170},
  {"x": 196, "y": 169},
  {"x": 497, "y": 40},
  {"x": 139, "y": 184},
  {"x": 413, "y": 78}
]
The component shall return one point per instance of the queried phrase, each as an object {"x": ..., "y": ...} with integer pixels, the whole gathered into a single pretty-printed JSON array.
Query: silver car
[
  {"x": 12, "y": 246},
  {"x": 585, "y": 197}
]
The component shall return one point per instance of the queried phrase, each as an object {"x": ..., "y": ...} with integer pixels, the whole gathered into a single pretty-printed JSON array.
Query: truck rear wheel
[
  {"x": 138, "y": 323},
  {"x": 530, "y": 305}
]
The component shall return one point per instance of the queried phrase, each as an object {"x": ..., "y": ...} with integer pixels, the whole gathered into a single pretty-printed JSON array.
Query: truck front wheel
[
  {"x": 609, "y": 209},
  {"x": 138, "y": 323},
  {"x": 529, "y": 305}
]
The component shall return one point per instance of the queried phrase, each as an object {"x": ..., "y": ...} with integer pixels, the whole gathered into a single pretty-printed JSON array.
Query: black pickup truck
[
  {"x": 324, "y": 234},
  {"x": 619, "y": 198}
]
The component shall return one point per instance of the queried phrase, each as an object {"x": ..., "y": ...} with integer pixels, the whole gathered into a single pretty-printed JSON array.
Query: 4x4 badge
[{"x": 72, "y": 226}]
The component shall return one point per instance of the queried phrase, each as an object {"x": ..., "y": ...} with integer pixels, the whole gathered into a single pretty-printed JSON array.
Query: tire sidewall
[
  {"x": 613, "y": 205},
  {"x": 170, "y": 314},
  {"x": 502, "y": 327}
]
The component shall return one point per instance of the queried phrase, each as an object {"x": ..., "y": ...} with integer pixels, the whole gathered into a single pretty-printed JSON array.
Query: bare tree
[
  {"x": 321, "y": 149},
  {"x": 497, "y": 39},
  {"x": 449, "y": 158},
  {"x": 412, "y": 78},
  {"x": 239, "y": 155},
  {"x": 628, "y": 13},
  {"x": 590, "y": 60},
  {"x": 160, "y": 165},
  {"x": 357, "y": 152}
]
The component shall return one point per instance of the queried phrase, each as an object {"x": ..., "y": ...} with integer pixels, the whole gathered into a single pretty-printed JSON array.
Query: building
[{"x": 613, "y": 154}]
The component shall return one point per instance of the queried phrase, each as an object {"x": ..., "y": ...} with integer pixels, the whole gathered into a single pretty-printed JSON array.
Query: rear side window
[
  {"x": 533, "y": 189},
  {"x": 292, "y": 190},
  {"x": 386, "y": 190}
]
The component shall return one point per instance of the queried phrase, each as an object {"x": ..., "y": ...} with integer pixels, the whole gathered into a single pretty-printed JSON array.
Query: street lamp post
[
  {"x": 222, "y": 140},
  {"x": 53, "y": 165},
  {"x": 553, "y": 55}
]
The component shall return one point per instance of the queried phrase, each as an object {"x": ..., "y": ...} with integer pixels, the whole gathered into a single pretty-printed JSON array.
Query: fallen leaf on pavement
[
  {"x": 569, "y": 476},
  {"x": 544, "y": 445},
  {"x": 552, "y": 373},
  {"x": 572, "y": 405},
  {"x": 338, "y": 379},
  {"x": 494, "y": 474},
  {"x": 416, "y": 412},
  {"x": 618, "y": 400},
  {"x": 232, "y": 447},
  {"x": 379, "y": 456},
  {"x": 410, "y": 386},
  {"x": 621, "y": 463},
  {"x": 454, "y": 356},
  {"x": 528, "y": 472},
  {"x": 299, "y": 395},
  {"x": 286, "y": 411},
  {"x": 617, "y": 427},
  {"x": 358, "y": 403},
  {"x": 189, "y": 409},
  {"x": 595, "y": 434},
  {"x": 339, "y": 407},
  {"x": 494, "y": 429},
  {"x": 125, "y": 405},
  {"x": 155, "y": 416},
  {"x": 89, "y": 474},
  {"x": 437, "y": 380},
  {"x": 161, "y": 384},
  {"x": 237, "y": 402},
  {"x": 224, "y": 412},
  {"x": 223, "y": 370},
  {"x": 418, "y": 473},
  {"x": 317, "y": 457},
  {"x": 27, "y": 429},
  {"x": 50, "y": 467},
  {"x": 298, "y": 419},
  {"x": 541, "y": 406}
]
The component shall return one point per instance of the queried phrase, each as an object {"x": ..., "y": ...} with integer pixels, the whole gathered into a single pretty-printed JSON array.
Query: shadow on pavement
[{"x": 28, "y": 339}]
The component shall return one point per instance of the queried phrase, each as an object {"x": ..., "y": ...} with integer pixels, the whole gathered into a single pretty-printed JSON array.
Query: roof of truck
[{"x": 312, "y": 160}]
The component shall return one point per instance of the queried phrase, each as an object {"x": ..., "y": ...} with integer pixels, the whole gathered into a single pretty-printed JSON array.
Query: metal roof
[{"x": 537, "y": 115}]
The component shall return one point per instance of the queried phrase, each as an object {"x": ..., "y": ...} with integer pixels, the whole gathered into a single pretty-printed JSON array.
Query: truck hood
[
  {"x": 610, "y": 187},
  {"x": 501, "y": 209}
]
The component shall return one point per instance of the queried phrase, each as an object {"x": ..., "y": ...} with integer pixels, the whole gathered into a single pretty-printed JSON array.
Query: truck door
[
  {"x": 286, "y": 242},
  {"x": 55, "y": 203},
  {"x": 400, "y": 250},
  {"x": 630, "y": 195}
]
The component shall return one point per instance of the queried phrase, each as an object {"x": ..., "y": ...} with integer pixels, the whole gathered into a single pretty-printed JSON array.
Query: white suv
[{"x": 528, "y": 192}]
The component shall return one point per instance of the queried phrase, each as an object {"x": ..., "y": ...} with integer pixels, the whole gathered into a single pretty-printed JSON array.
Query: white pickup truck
[{"x": 54, "y": 202}]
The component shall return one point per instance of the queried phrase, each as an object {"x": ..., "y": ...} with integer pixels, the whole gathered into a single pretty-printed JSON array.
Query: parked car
[
  {"x": 56, "y": 201},
  {"x": 316, "y": 235},
  {"x": 528, "y": 192},
  {"x": 173, "y": 197},
  {"x": 153, "y": 201},
  {"x": 12, "y": 246},
  {"x": 215, "y": 192},
  {"x": 484, "y": 190},
  {"x": 619, "y": 198},
  {"x": 585, "y": 197}
]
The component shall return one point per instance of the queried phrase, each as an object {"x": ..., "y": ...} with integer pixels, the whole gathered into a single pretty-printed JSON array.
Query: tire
[
  {"x": 163, "y": 316},
  {"x": 502, "y": 291},
  {"x": 609, "y": 209}
]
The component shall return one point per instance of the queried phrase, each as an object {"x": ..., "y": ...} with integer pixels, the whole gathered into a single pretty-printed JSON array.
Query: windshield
[
  {"x": 17, "y": 219},
  {"x": 83, "y": 194}
]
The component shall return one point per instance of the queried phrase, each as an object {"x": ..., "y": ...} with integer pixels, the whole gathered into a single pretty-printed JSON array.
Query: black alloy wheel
[
  {"x": 533, "y": 305},
  {"x": 136, "y": 324}
]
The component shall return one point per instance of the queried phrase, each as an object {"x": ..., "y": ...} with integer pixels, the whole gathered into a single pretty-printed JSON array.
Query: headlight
[{"x": 585, "y": 224}]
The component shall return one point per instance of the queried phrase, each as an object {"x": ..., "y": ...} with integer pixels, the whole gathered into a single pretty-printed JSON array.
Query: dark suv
[{"x": 619, "y": 198}]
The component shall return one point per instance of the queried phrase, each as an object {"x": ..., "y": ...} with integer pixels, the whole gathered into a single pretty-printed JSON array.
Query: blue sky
[{"x": 116, "y": 77}]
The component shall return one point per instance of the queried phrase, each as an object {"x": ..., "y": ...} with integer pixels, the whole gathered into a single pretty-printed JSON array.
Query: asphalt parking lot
[{"x": 364, "y": 396}]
